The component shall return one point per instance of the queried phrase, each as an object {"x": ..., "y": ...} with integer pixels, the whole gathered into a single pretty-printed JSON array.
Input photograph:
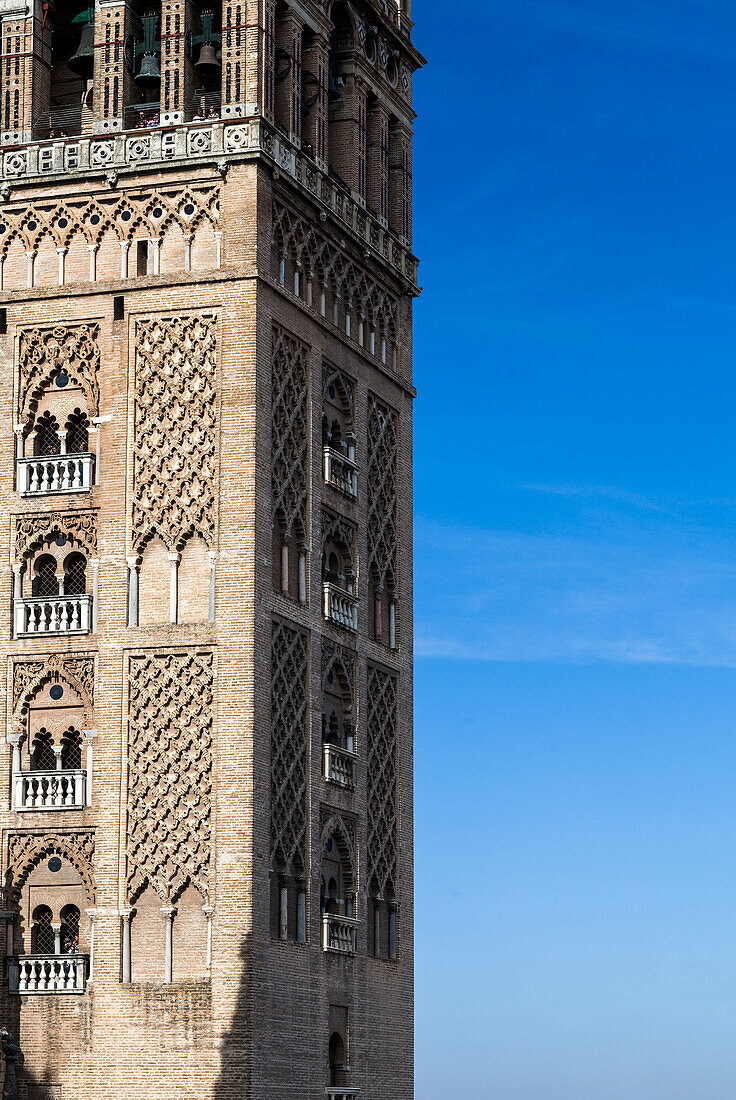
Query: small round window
[
  {"x": 56, "y": 692},
  {"x": 62, "y": 380},
  {"x": 54, "y": 864},
  {"x": 60, "y": 540}
]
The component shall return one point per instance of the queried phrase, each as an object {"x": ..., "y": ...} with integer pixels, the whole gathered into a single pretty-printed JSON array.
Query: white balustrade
[
  {"x": 340, "y": 606},
  {"x": 340, "y": 1092},
  {"x": 38, "y": 477},
  {"x": 338, "y": 933},
  {"x": 48, "y": 974},
  {"x": 339, "y": 765},
  {"x": 340, "y": 471},
  {"x": 55, "y": 615},
  {"x": 49, "y": 790}
]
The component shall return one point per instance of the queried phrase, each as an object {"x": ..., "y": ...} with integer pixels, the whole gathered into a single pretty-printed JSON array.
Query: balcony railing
[
  {"x": 339, "y": 766},
  {"x": 340, "y": 471},
  {"x": 51, "y": 790},
  {"x": 47, "y": 973},
  {"x": 58, "y": 615},
  {"x": 340, "y": 606},
  {"x": 340, "y": 1092},
  {"x": 339, "y": 933},
  {"x": 38, "y": 477}
]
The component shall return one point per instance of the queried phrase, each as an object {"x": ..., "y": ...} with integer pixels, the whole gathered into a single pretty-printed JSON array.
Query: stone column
[
  {"x": 61, "y": 253},
  {"x": 303, "y": 549},
  {"x": 97, "y": 423},
  {"x": 283, "y": 911},
  {"x": 124, "y": 253},
  {"x": 95, "y": 563},
  {"x": 89, "y": 739},
  {"x": 126, "y": 915},
  {"x": 30, "y": 268},
  {"x": 56, "y": 926},
  {"x": 169, "y": 912},
  {"x": 174, "y": 560},
  {"x": 301, "y": 916},
  {"x": 378, "y": 612},
  {"x": 392, "y": 622},
  {"x": 208, "y": 911},
  {"x": 134, "y": 564},
  {"x": 213, "y": 564},
  {"x": 92, "y": 249},
  {"x": 285, "y": 566},
  {"x": 15, "y": 740}
]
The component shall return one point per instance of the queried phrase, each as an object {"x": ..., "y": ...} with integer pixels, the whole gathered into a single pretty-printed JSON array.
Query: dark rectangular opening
[
  {"x": 142, "y": 258},
  {"x": 3, "y": 322},
  {"x": 118, "y": 307}
]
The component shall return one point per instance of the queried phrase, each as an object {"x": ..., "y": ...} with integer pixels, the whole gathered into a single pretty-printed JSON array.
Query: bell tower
[{"x": 206, "y": 283}]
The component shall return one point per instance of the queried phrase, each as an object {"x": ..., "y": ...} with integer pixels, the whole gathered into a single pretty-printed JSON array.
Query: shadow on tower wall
[{"x": 235, "y": 1075}]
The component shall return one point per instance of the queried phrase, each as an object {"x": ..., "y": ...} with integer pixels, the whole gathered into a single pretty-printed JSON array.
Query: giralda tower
[{"x": 206, "y": 282}]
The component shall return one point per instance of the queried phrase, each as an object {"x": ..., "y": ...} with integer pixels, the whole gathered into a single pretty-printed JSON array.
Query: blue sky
[{"x": 575, "y": 185}]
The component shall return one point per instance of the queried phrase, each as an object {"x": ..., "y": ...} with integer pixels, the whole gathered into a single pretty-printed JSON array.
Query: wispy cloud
[{"x": 622, "y": 592}]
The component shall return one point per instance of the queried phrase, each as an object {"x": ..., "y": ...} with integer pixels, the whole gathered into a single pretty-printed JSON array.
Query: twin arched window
[
  {"x": 45, "y": 581},
  {"x": 49, "y": 436}
]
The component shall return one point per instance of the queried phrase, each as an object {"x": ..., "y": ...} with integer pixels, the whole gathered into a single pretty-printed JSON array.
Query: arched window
[
  {"x": 337, "y": 725},
  {"x": 46, "y": 441},
  {"x": 75, "y": 574},
  {"x": 71, "y": 749},
  {"x": 337, "y": 878},
  {"x": 77, "y": 433},
  {"x": 44, "y": 577},
  {"x": 42, "y": 932},
  {"x": 43, "y": 757},
  {"x": 338, "y": 1069},
  {"x": 70, "y": 930}
]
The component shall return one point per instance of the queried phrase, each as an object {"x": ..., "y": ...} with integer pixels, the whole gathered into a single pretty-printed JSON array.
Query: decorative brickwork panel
[
  {"x": 27, "y": 850},
  {"x": 45, "y": 352},
  {"x": 382, "y": 499},
  {"x": 347, "y": 282},
  {"x": 289, "y": 740},
  {"x": 290, "y": 432},
  {"x": 150, "y": 213},
  {"x": 175, "y": 441},
  {"x": 33, "y": 531},
  {"x": 30, "y": 676},
  {"x": 382, "y": 737},
  {"x": 170, "y": 773}
]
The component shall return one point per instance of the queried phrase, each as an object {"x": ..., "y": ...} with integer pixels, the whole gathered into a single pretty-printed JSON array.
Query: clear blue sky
[{"x": 575, "y": 187}]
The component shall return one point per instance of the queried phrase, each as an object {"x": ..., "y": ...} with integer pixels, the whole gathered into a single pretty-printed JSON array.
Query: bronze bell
[
  {"x": 207, "y": 63},
  {"x": 150, "y": 72},
  {"x": 83, "y": 61}
]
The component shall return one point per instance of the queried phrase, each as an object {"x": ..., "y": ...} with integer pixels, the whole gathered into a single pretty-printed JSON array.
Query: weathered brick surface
[{"x": 257, "y": 1023}]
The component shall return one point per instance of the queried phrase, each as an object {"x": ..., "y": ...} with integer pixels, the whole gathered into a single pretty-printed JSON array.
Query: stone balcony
[
  {"x": 339, "y": 766},
  {"x": 339, "y": 933},
  {"x": 340, "y": 1092},
  {"x": 340, "y": 471},
  {"x": 339, "y": 606},
  {"x": 29, "y": 974},
  {"x": 40, "y": 477},
  {"x": 61, "y": 789},
  {"x": 57, "y": 615}
]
